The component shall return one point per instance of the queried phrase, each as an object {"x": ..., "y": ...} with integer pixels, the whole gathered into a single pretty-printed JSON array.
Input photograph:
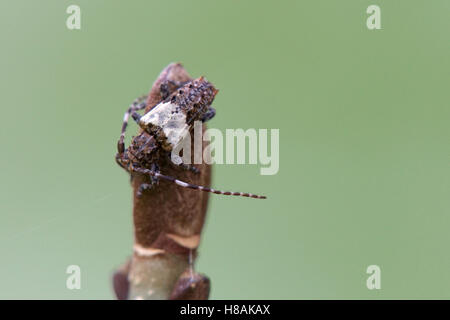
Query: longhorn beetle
[{"x": 166, "y": 125}]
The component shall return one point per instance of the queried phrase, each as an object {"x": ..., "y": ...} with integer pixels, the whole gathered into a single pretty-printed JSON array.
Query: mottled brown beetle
[{"x": 166, "y": 124}]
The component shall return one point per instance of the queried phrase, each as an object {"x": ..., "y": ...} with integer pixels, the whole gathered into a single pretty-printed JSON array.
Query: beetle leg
[
  {"x": 137, "y": 104},
  {"x": 209, "y": 114},
  {"x": 143, "y": 187},
  {"x": 189, "y": 167},
  {"x": 153, "y": 181}
]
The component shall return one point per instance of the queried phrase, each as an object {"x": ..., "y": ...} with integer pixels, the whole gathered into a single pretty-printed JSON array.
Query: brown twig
[{"x": 168, "y": 221}]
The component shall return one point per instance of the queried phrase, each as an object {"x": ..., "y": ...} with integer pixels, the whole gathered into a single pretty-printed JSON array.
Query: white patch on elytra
[{"x": 172, "y": 122}]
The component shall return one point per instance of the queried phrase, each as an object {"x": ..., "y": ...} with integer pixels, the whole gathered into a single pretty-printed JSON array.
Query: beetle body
[{"x": 164, "y": 126}]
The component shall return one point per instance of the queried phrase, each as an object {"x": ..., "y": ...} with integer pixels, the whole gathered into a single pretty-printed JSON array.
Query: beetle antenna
[{"x": 194, "y": 186}]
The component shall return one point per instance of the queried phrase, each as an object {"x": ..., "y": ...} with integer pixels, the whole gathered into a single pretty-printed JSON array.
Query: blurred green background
[{"x": 364, "y": 136}]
